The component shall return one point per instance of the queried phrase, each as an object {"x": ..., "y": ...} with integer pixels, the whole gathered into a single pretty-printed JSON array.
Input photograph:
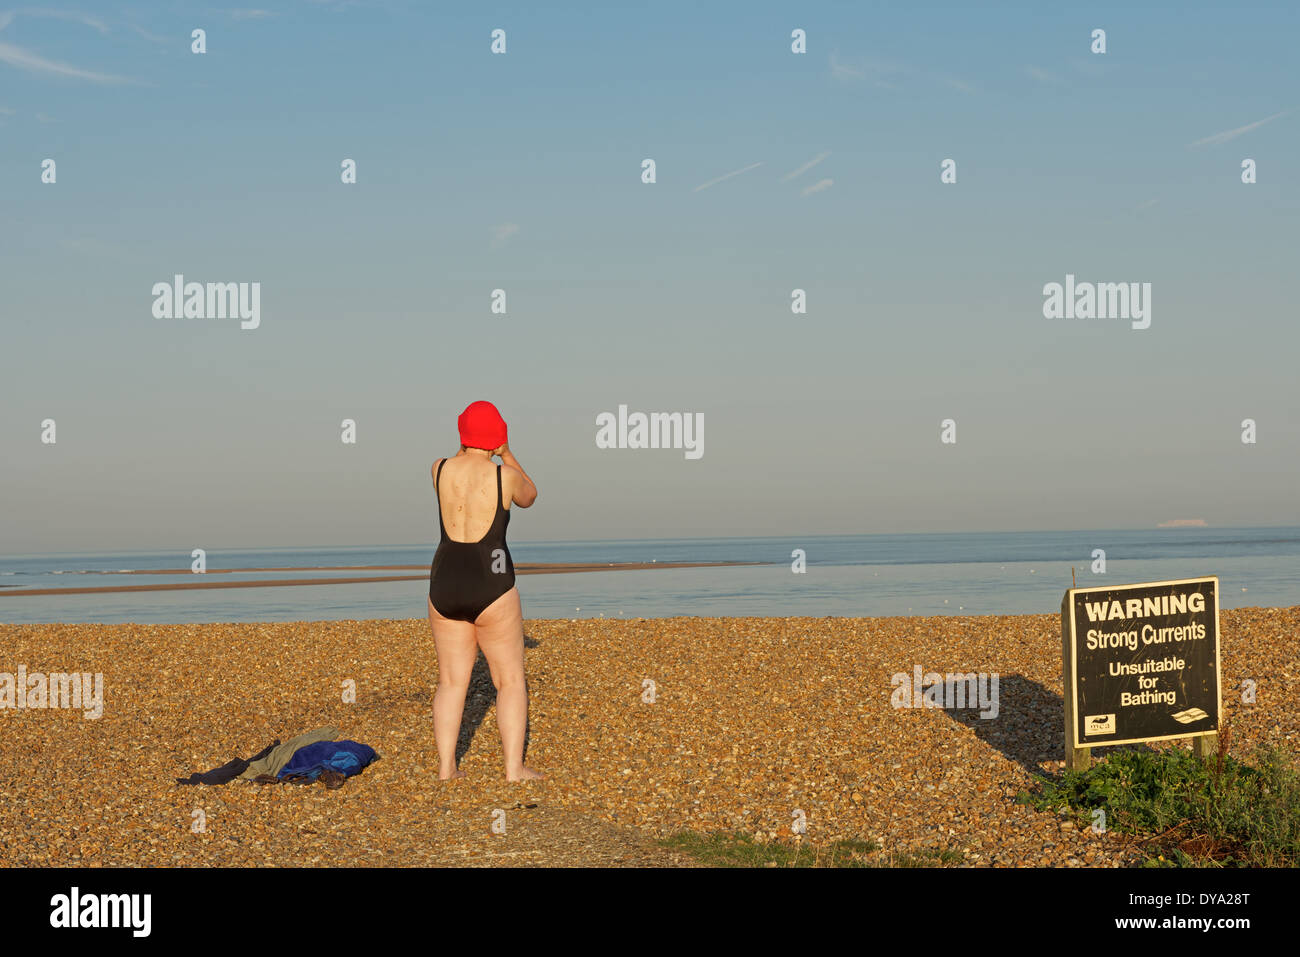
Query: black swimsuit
[{"x": 461, "y": 579}]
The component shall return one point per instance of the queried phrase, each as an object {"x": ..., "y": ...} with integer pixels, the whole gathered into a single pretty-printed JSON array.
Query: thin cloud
[
  {"x": 882, "y": 73},
  {"x": 251, "y": 14},
  {"x": 1226, "y": 135},
  {"x": 805, "y": 167},
  {"x": 1147, "y": 204},
  {"x": 1042, "y": 75},
  {"x": 26, "y": 60},
  {"x": 843, "y": 71},
  {"x": 5, "y": 111},
  {"x": 818, "y": 187},
  {"x": 734, "y": 172},
  {"x": 503, "y": 232},
  {"x": 149, "y": 36},
  {"x": 866, "y": 67},
  {"x": 93, "y": 22},
  {"x": 42, "y": 118}
]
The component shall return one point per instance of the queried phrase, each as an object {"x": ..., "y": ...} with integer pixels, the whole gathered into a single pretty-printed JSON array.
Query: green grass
[
  {"x": 1188, "y": 812},
  {"x": 738, "y": 849}
]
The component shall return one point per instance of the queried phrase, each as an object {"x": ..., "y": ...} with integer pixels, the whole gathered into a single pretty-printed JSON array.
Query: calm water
[{"x": 972, "y": 573}]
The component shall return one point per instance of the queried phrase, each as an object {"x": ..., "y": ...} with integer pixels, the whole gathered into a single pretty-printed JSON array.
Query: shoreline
[{"x": 523, "y": 568}]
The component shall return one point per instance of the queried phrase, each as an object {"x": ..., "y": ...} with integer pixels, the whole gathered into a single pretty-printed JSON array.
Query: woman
[{"x": 473, "y": 602}]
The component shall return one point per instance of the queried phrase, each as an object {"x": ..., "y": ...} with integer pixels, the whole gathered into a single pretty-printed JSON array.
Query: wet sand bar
[{"x": 522, "y": 568}]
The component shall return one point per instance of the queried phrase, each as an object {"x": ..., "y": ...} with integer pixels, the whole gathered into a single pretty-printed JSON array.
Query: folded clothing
[
  {"x": 278, "y": 756},
  {"x": 228, "y": 771},
  {"x": 345, "y": 757}
]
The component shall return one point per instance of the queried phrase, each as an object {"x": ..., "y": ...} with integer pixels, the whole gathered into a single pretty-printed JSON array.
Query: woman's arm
[{"x": 525, "y": 493}]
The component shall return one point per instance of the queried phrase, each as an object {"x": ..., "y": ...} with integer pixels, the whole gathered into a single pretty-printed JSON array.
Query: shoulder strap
[
  {"x": 499, "y": 505},
  {"x": 437, "y": 499}
]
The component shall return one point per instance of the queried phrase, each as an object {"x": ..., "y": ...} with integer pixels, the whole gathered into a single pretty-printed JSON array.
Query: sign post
[{"x": 1140, "y": 663}]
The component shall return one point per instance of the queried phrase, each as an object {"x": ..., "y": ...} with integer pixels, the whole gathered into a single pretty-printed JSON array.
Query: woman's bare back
[{"x": 467, "y": 495}]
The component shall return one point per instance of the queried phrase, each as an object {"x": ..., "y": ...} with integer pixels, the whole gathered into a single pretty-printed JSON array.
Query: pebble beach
[{"x": 644, "y": 728}]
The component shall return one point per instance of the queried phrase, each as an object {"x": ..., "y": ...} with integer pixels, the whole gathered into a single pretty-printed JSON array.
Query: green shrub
[{"x": 1186, "y": 810}]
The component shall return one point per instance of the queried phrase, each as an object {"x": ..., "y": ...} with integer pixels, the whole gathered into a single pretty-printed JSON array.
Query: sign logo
[{"x": 1099, "y": 724}]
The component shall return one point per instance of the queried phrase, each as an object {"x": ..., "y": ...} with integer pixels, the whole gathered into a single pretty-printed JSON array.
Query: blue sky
[{"x": 522, "y": 171}]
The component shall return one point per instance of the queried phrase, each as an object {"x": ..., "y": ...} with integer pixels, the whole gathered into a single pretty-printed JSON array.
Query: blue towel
[{"x": 348, "y": 757}]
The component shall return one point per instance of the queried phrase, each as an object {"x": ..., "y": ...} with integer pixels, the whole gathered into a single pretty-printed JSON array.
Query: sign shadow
[{"x": 1027, "y": 729}]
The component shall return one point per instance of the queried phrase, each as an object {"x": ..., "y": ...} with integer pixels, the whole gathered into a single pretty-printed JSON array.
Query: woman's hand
[{"x": 502, "y": 450}]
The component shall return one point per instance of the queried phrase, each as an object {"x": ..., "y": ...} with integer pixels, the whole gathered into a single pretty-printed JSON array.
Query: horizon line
[{"x": 613, "y": 541}]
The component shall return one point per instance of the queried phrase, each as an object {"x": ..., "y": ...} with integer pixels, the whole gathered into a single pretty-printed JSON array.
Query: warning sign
[{"x": 1141, "y": 661}]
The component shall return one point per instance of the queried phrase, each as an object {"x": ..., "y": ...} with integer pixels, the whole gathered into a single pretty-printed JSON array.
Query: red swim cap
[{"x": 481, "y": 426}]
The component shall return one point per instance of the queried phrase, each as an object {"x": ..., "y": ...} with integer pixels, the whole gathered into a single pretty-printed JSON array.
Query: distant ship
[{"x": 1184, "y": 523}]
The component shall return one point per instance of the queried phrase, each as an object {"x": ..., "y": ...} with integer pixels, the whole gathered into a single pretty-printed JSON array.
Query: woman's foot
[
  {"x": 524, "y": 773},
  {"x": 456, "y": 773}
]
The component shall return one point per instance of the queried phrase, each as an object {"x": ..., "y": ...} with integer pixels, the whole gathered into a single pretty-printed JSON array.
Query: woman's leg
[
  {"x": 454, "y": 641},
  {"x": 500, "y": 633}
]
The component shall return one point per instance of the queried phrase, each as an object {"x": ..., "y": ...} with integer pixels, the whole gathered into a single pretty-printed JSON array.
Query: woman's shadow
[{"x": 482, "y": 694}]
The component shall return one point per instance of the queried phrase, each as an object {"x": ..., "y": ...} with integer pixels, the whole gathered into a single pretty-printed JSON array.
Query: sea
[{"x": 968, "y": 573}]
